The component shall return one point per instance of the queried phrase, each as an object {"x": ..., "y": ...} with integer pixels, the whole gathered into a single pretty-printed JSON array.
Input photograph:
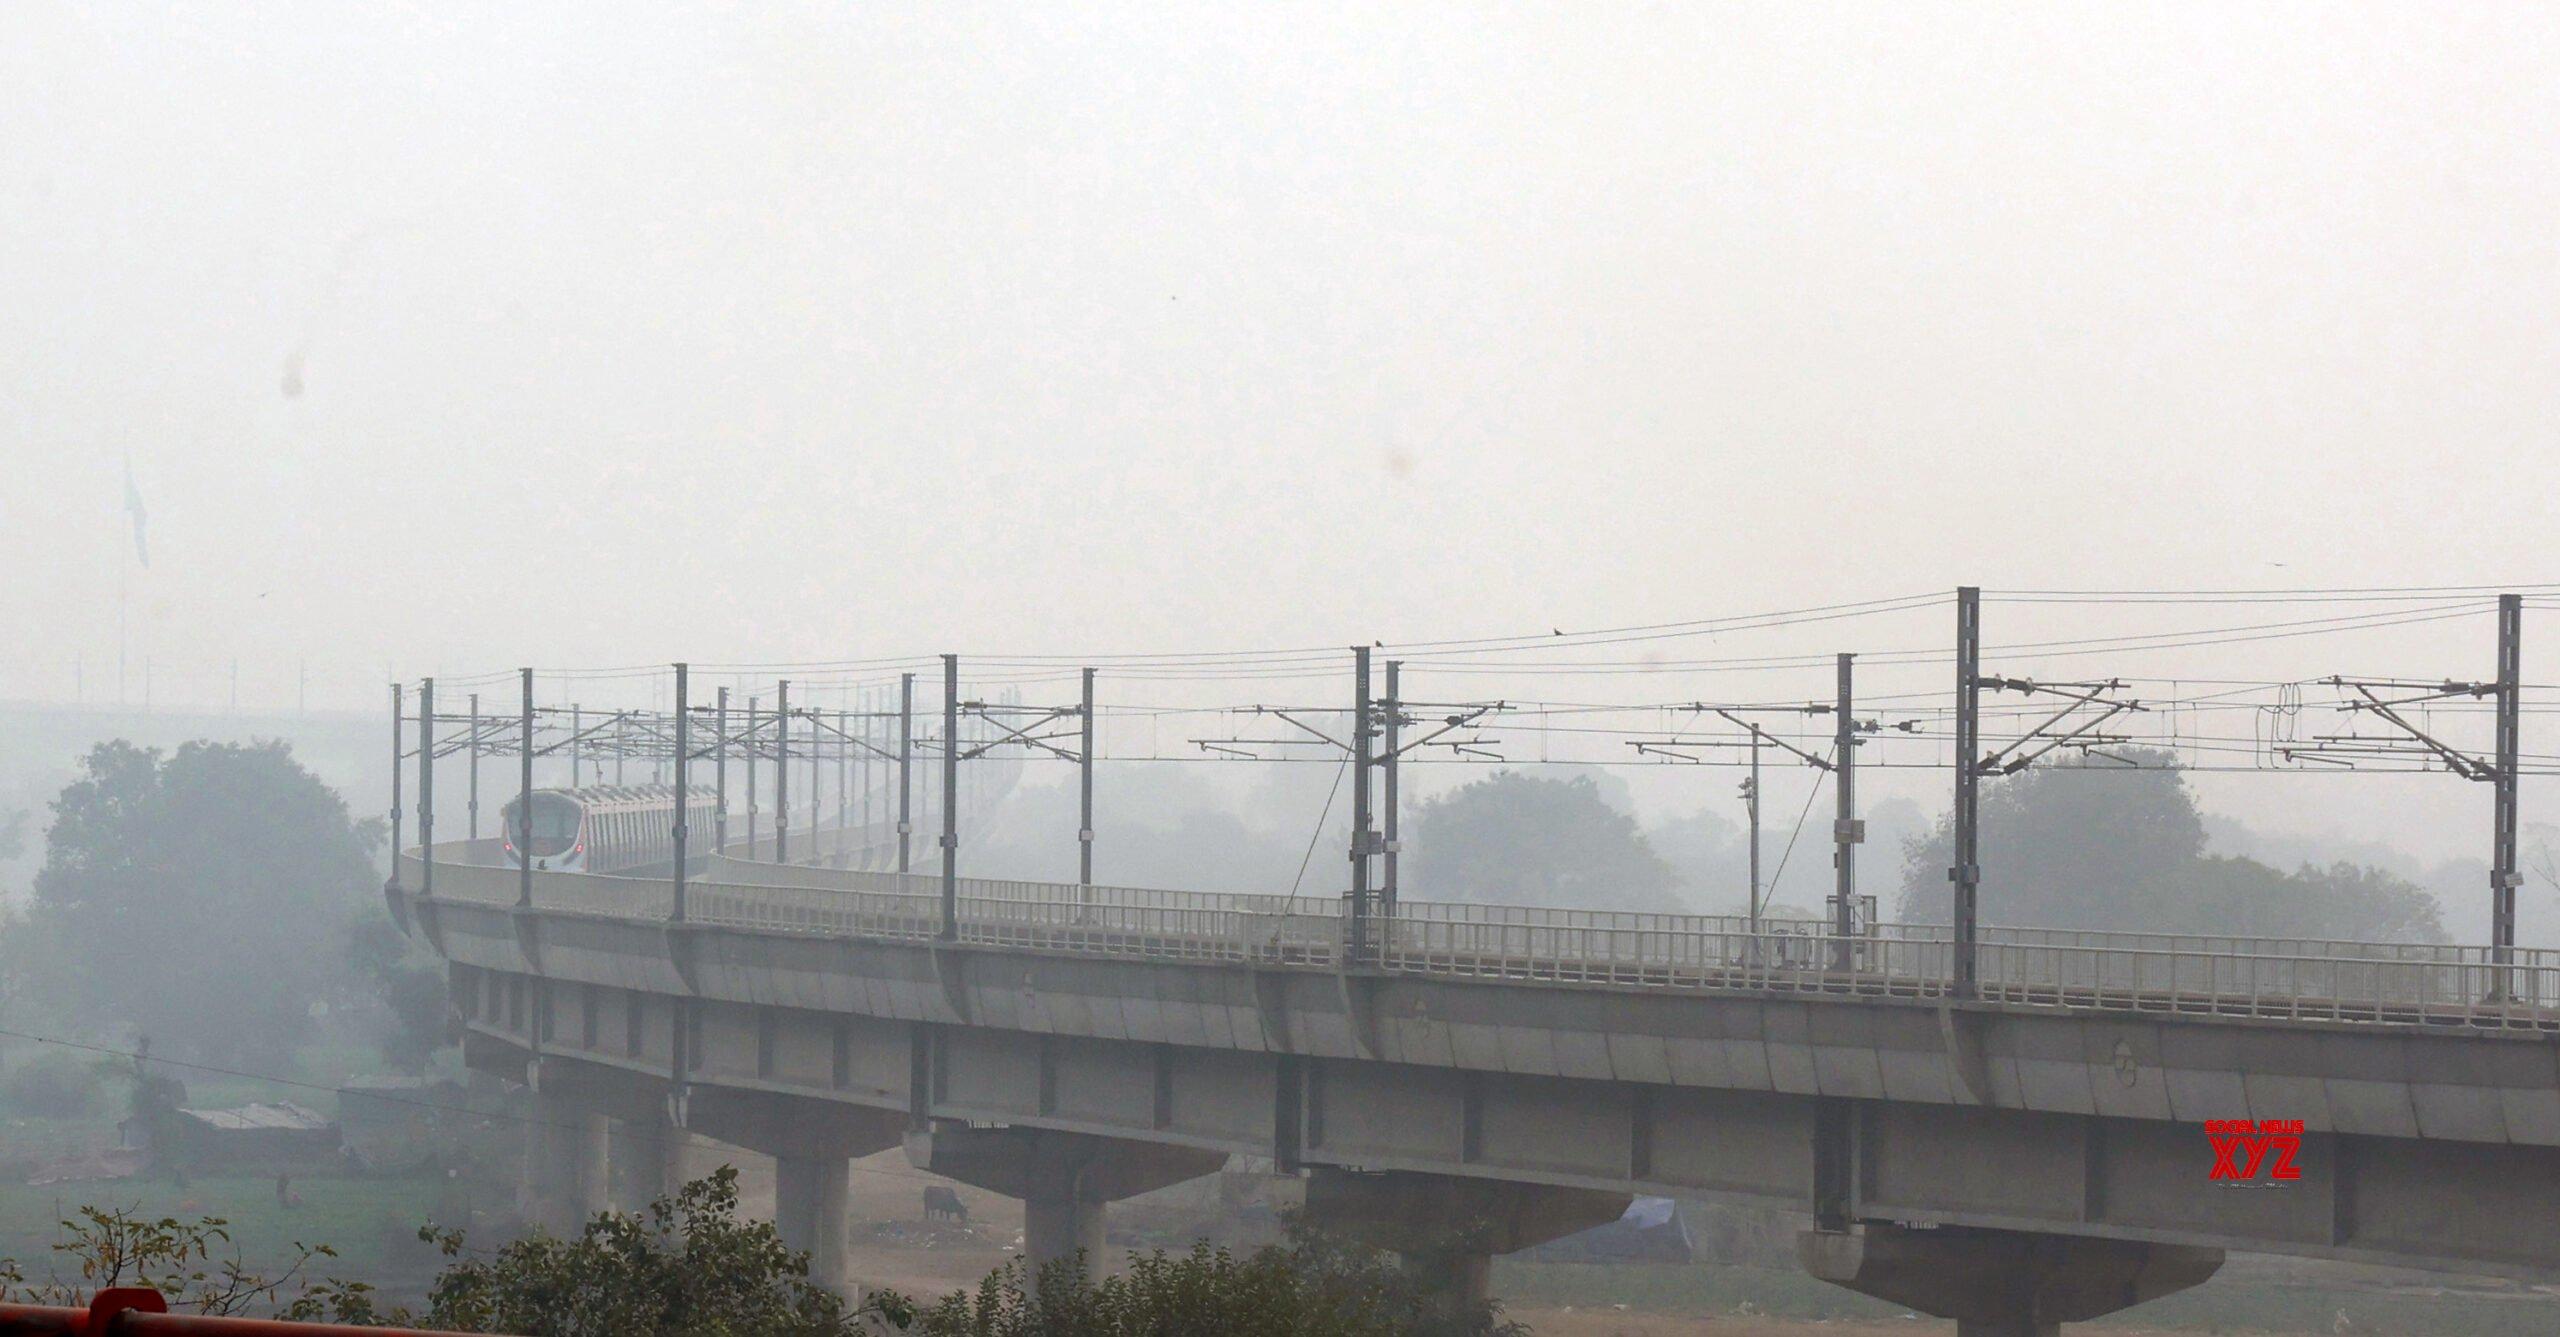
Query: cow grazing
[{"x": 941, "y": 1204}]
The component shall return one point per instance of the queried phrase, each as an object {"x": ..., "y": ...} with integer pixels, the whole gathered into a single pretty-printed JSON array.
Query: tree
[
  {"x": 1514, "y": 839},
  {"x": 686, "y": 1267},
  {"x": 2095, "y": 844},
  {"x": 196, "y": 896},
  {"x": 406, "y": 991},
  {"x": 1710, "y": 853}
]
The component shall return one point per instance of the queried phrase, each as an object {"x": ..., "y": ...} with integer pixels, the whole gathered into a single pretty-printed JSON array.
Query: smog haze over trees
[
  {"x": 218, "y": 899},
  {"x": 2098, "y": 843}
]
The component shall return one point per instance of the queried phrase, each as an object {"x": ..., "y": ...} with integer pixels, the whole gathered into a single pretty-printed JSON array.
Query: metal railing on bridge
[{"x": 2264, "y": 977}]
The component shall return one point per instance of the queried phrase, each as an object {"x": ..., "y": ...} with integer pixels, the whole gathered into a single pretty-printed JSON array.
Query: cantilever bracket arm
[
  {"x": 1012, "y": 733},
  {"x": 1818, "y": 763},
  {"x": 2462, "y": 763},
  {"x": 1294, "y": 722},
  {"x": 1670, "y": 751},
  {"x": 1448, "y": 725},
  {"x": 1993, "y": 765}
]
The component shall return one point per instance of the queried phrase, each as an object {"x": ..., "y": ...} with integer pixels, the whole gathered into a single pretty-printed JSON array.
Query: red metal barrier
[{"x": 133, "y": 1311}]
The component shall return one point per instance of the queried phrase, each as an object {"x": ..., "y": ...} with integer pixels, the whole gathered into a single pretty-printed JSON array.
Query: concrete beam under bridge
[
  {"x": 1064, "y": 1180},
  {"x": 577, "y": 1106},
  {"x": 1451, "y": 1222},
  {"x": 2002, "y": 1283}
]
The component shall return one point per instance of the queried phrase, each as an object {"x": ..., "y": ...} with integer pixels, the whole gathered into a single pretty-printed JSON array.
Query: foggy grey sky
[
  {"x": 1189, "y": 331},
  {"x": 639, "y": 333}
]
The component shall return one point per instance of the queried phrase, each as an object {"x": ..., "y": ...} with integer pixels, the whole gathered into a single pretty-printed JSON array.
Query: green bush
[{"x": 1311, "y": 1284}]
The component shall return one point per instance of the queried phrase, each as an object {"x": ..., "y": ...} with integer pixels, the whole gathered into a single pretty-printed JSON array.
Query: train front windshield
[{"x": 555, "y": 824}]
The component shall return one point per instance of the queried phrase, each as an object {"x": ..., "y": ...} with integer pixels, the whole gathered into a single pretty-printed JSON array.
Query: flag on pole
[{"x": 133, "y": 507}]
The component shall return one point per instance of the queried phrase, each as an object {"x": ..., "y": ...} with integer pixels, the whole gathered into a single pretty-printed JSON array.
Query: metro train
[{"x": 608, "y": 828}]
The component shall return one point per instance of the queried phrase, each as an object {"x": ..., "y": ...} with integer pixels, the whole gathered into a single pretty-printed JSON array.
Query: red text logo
[{"x": 2245, "y": 1150}]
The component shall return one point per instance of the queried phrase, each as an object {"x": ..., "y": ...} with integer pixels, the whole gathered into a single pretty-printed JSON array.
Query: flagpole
[{"x": 124, "y": 578}]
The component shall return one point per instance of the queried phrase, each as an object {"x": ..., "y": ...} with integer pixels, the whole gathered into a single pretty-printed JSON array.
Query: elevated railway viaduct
[{"x": 2031, "y": 1154}]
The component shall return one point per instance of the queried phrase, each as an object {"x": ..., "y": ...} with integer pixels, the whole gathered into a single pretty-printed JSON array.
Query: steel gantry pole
[
  {"x": 720, "y": 775},
  {"x": 1388, "y": 887},
  {"x": 426, "y": 786},
  {"x": 1965, "y": 817},
  {"x": 1084, "y": 767},
  {"x": 524, "y": 798},
  {"x": 399, "y": 756},
  {"x": 906, "y": 751},
  {"x": 753, "y": 811},
  {"x": 676, "y": 911},
  {"x": 782, "y": 772},
  {"x": 2504, "y": 877},
  {"x": 1360, "y": 724},
  {"x": 471, "y": 801},
  {"x": 950, "y": 796},
  {"x": 1751, "y": 806},
  {"x": 577, "y": 744},
  {"x": 1846, "y": 830}
]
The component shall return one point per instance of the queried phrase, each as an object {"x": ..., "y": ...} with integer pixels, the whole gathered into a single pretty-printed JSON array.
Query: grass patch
[{"x": 370, "y": 1222}]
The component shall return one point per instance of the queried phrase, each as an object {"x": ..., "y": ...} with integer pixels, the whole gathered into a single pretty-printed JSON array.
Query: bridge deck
[{"x": 2280, "y": 979}]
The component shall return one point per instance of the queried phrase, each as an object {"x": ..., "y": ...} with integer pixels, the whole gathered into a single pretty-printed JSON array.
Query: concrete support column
[
  {"x": 1059, "y": 1221},
  {"x": 812, "y": 1143},
  {"x": 809, "y": 1210},
  {"x": 2002, "y": 1283},
  {"x": 653, "y": 1160},
  {"x": 592, "y": 1171},
  {"x": 1065, "y": 1180},
  {"x": 545, "y": 1190},
  {"x": 1452, "y": 1226}
]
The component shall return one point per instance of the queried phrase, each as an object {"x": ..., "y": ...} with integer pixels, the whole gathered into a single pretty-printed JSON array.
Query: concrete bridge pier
[
  {"x": 1064, "y": 1180},
  {"x": 809, "y": 1207},
  {"x": 1453, "y": 1225},
  {"x": 2002, "y": 1283},
  {"x": 591, "y": 1177},
  {"x": 563, "y": 1163},
  {"x": 651, "y": 1152},
  {"x": 568, "y": 1164},
  {"x": 811, "y": 1141}
]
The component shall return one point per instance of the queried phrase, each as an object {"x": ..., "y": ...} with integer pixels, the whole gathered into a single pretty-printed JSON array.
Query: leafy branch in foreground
[{"x": 194, "y": 1264}]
